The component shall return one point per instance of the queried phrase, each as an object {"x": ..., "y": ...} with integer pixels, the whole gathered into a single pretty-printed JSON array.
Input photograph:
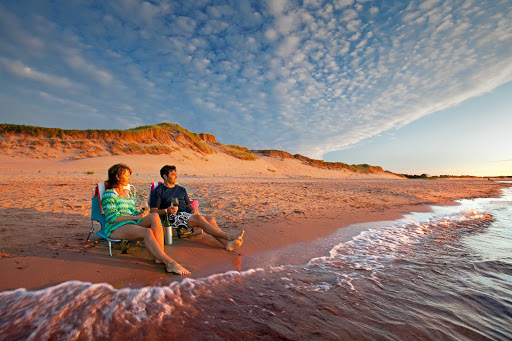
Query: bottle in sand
[{"x": 167, "y": 230}]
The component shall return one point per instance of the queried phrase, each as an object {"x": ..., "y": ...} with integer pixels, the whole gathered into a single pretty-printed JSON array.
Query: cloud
[
  {"x": 428, "y": 4},
  {"x": 348, "y": 15},
  {"x": 77, "y": 63},
  {"x": 149, "y": 11},
  {"x": 185, "y": 25},
  {"x": 15, "y": 40},
  {"x": 201, "y": 63},
  {"x": 271, "y": 34},
  {"x": 315, "y": 77},
  {"x": 79, "y": 107},
  {"x": 410, "y": 16},
  {"x": 354, "y": 25},
  {"x": 19, "y": 69},
  {"x": 288, "y": 46},
  {"x": 312, "y": 4},
  {"x": 394, "y": 107},
  {"x": 141, "y": 13},
  {"x": 286, "y": 23},
  {"x": 342, "y": 3},
  {"x": 276, "y": 7}
]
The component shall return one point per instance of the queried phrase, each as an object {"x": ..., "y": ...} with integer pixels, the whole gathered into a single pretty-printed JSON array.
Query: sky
[{"x": 412, "y": 86}]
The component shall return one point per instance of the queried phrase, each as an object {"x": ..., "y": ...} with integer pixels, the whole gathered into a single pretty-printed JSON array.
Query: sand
[{"x": 285, "y": 211}]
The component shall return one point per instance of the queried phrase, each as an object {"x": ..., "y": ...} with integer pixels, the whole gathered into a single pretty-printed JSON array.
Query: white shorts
[{"x": 179, "y": 220}]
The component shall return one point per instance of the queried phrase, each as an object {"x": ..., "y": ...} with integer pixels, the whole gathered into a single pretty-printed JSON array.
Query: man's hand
[
  {"x": 193, "y": 209},
  {"x": 172, "y": 209}
]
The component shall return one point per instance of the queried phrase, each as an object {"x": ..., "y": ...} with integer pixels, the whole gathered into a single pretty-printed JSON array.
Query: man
[
  {"x": 161, "y": 196},
  {"x": 185, "y": 215}
]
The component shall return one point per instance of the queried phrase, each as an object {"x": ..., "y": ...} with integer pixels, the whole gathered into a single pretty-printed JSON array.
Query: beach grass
[{"x": 239, "y": 152}]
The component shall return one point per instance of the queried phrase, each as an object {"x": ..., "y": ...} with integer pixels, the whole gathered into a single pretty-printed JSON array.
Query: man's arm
[
  {"x": 188, "y": 204},
  {"x": 162, "y": 211},
  {"x": 155, "y": 199}
]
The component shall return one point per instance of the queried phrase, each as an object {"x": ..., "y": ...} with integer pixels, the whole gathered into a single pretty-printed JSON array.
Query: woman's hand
[
  {"x": 141, "y": 215},
  {"x": 130, "y": 217}
]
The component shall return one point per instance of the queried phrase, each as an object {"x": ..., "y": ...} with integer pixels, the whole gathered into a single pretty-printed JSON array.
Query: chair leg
[
  {"x": 109, "y": 248},
  {"x": 91, "y": 231}
]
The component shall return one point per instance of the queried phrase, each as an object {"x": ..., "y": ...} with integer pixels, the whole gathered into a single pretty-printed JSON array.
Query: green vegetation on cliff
[
  {"x": 163, "y": 138},
  {"x": 363, "y": 168},
  {"x": 120, "y": 141}
]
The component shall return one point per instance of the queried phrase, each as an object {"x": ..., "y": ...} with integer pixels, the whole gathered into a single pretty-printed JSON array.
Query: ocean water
[{"x": 441, "y": 275}]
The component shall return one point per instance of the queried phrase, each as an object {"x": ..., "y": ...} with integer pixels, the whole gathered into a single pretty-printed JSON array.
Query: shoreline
[
  {"x": 43, "y": 240},
  {"x": 200, "y": 254}
]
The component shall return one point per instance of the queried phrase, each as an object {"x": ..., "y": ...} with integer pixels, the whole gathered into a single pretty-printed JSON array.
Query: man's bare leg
[
  {"x": 230, "y": 245},
  {"x": 230, "y": 241}
]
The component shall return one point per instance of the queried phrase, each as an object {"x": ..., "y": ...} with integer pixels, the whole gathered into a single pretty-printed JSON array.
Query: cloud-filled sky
[{"x": 310, "y": 77}]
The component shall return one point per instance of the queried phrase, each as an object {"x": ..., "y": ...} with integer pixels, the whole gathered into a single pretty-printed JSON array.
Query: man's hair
[{"x": 166, "y": 169}]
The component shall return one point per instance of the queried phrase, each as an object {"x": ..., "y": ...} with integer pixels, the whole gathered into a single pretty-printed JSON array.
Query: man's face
[{"x": 171, "y": 177}]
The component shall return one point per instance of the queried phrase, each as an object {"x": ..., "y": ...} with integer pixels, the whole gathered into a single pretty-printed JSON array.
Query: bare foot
[
  {"x": 234, "y": 236},
  {"x": 235, "y": 244},
  {"x": 177, "y": 269}
]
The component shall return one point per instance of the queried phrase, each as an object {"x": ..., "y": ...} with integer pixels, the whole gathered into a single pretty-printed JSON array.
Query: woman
[{"x": 123, "y": 222}]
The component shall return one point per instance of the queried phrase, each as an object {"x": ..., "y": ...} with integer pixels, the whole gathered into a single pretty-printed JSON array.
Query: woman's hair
[{"x": 114, "y": 172}]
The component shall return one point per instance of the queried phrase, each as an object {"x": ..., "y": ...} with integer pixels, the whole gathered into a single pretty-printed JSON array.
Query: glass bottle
[{"x": 167, "y": 229}]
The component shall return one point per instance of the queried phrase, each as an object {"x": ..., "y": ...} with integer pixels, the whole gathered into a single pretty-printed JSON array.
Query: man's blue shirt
[{"x": 162, "y": 195}]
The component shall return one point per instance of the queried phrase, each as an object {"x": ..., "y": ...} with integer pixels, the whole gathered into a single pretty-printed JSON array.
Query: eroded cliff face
[
  {"x": 364, "y": 168},
  {"x": 164, "y": 138},
  {"x": 38, "y": 142},
  {"x": 208, "y": 138},
  {"x": 274, "y": 153}
]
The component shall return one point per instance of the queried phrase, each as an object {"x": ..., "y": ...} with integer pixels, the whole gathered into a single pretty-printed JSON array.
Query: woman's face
[{"x": 125, "y": 178}]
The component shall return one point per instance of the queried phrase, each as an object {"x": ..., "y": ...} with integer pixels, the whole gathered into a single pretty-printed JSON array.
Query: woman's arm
[
  {"x": 112, "y": 215},
  {"x": 121, "y": 218}
]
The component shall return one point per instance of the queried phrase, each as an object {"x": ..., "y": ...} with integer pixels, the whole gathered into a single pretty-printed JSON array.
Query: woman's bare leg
[
  {"x": 153, "y": 222},
  {"x": 230, "y": 241},
  {"x": 135, "y": 232}
]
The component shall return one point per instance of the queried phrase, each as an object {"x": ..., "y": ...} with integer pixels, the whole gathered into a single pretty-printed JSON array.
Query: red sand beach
[{"x": 45, "y": 216}]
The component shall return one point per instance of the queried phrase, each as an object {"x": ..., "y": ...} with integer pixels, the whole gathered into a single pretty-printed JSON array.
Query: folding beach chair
[
  {"x": 179, "y": 232},
  {"x": 97, "y": 213}
]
